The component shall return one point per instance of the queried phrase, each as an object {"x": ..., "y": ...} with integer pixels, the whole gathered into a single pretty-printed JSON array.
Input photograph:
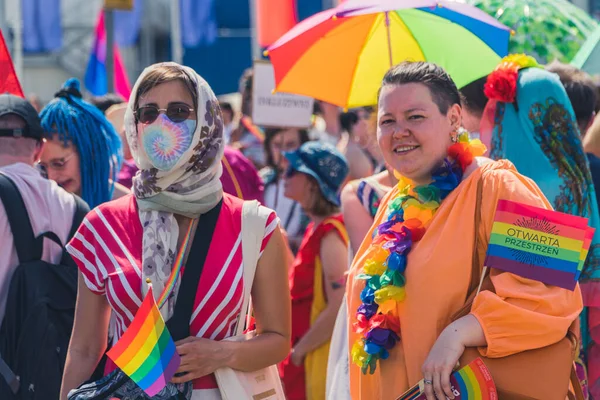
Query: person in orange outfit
[{"x": 422, "y": 243}]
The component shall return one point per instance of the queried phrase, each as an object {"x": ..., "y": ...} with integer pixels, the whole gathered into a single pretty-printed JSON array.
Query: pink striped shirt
[{"x": 108, "y": 251}]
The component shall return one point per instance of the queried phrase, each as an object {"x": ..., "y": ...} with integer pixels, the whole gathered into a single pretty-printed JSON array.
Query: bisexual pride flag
[
  {"x": 96, "y": 81},
  {"x": 146, "y": 351},
  {"x": 539, "y": 244}
]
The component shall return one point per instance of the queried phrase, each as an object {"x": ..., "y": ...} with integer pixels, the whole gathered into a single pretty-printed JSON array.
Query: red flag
[
  {"x": 9, "y": 82},
  {"x": 274, "y": 18}
]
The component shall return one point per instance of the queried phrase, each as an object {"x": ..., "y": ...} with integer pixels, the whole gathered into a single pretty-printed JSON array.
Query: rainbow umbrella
[{"x": 340, "y": 55}]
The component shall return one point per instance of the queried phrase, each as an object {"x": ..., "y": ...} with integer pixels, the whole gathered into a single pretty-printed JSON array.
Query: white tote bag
[{"x": 263, "y": 384}]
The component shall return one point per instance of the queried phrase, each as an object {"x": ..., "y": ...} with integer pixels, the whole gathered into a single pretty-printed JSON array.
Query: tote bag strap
[
  {"x": 254, "y": 219},
  {"x": 474, "y": 284}
]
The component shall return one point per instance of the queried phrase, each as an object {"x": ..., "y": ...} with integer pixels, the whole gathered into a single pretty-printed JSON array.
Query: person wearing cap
[
  {"x": 50, "y": 208},
  {"x": 314, "y": 177}
]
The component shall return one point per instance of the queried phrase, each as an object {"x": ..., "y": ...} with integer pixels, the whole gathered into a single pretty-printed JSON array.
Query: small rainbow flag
[
  {"x": 472, "y": 382},
  {"x": 146, "y": 351},
  {"x": 538, "y": 244}
]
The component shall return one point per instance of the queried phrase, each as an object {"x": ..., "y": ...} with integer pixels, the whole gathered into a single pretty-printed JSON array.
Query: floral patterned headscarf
[{"x": 191, "y": 188}]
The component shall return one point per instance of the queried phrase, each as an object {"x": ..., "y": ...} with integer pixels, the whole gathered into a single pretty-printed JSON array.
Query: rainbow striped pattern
[
  {"x": 146, "y": 351},
  {"x": 473, "y": 382},
  {"x": 538, "y": 244},
  {"x": 176, "y": 271}
]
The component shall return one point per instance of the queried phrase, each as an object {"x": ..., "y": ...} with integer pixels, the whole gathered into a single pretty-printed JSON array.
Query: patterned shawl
[{"x": 191, "y": 188}]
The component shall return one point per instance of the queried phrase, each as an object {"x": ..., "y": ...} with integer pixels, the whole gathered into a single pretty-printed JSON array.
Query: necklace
[{"x": 408, "y": 217}]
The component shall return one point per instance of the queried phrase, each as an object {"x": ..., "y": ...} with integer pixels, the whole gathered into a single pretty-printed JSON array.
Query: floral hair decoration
[
  {"x": 408, "y": 217},
  {"x": 501, "y": 84}
]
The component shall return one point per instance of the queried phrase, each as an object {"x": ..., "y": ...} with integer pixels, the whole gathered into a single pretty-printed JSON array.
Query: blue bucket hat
[{"x": 324, "y": 163}]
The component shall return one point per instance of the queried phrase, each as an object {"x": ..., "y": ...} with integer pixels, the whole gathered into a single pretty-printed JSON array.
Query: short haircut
[
  {"x": 442, "y": 88},
  {"x": 348, "y": 120},
  {"x": 103, "y": 103},
  {"x": 18, "y": 147},
  {"x": 473, "y": 96},
  {"x": 581, "y": 91},
  {"x": 226, "y": 107},
  {"x": 245, "y": 89}
]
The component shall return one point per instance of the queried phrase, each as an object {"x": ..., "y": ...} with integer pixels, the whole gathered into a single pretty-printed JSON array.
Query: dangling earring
[{"x": 454, "y": 136}]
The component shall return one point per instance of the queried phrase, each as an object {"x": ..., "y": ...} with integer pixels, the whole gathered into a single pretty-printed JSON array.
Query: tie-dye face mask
[{"x": 166, "y": 141}]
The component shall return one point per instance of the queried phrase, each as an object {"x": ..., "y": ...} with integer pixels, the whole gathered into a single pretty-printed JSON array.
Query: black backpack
[{"x": 40, "y": 309}]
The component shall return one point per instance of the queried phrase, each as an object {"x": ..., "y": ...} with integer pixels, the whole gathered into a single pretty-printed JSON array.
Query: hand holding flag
[{"x": 146, "y": 351}]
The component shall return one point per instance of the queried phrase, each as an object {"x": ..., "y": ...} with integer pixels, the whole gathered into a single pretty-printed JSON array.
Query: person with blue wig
[
  {"x": 82, "y": 150},
  {"x": 530, "y": 121}
]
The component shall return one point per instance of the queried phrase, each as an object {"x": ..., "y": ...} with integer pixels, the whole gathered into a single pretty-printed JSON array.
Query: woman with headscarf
[
  {"x": 82, "y": 151},
  {"x": 174, "y": 129},
  {"x": 412, "y": 273},
  {"x": 529, "y": 120}
]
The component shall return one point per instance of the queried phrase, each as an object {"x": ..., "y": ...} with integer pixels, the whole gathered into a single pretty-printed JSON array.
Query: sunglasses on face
[{"x": 177, "y": 112}]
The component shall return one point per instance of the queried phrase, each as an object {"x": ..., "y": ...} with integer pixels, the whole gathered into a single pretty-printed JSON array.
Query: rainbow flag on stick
[
  {"x": 472, "y": 382},
  {"x": 146, "y": 351},
  {"x": 538, "y": 244}
]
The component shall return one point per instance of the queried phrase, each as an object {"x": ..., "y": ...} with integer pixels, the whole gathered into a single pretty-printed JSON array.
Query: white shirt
[
  {"x": 288, "y": 211},
  {"x": 50, "y": 209}
]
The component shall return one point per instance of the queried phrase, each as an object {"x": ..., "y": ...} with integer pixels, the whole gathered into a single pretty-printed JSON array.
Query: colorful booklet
[{"x": 472, "y": 382}]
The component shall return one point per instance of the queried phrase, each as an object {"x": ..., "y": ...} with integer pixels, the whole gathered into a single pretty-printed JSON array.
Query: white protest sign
[{"x": 277, "y": 109}]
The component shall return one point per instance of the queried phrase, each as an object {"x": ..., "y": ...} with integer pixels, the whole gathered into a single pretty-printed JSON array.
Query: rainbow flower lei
[{"x": 409, "y": 215}]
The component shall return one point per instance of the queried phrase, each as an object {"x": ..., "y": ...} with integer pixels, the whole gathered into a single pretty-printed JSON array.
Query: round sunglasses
[{"x": 177, "y": 112}]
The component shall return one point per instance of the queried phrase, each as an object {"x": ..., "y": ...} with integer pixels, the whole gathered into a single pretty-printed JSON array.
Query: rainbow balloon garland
[{"x": 409, "y": 215}]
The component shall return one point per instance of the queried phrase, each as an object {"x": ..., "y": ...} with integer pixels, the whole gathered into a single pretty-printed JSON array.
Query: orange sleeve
[{"x": 523, "y": 314}]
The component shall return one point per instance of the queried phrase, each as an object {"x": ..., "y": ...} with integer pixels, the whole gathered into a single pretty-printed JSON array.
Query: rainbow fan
[{"x": 472, "y": 382}]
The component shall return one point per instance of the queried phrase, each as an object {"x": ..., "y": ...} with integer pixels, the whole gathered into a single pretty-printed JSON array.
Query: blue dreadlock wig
[{"x": 78, "y": 122}]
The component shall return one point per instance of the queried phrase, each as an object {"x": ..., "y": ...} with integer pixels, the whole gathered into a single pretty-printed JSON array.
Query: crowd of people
[{"x": 374, "y": 219}]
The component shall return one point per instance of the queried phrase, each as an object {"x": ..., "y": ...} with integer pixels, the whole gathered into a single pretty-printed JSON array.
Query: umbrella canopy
[
  {"x": 544, "y": 29},
  {"x": 588, "y": 57},
  {"x": 340, "y": 55}
]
